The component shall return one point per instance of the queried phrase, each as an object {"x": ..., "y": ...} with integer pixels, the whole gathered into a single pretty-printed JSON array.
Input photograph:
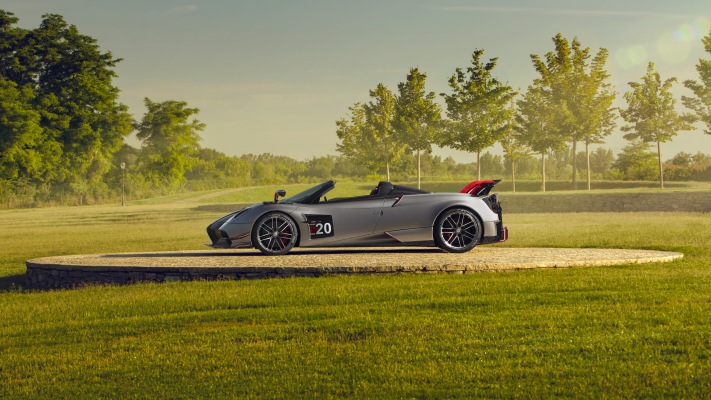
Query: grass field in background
[
  {"x": 626, "y": 331},
  {"x": 233, "y": 199},
  {"x": 349, "y": 189}
]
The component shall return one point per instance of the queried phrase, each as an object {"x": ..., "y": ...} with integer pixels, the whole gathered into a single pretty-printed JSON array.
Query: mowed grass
[{"x": 628, "y": 331}]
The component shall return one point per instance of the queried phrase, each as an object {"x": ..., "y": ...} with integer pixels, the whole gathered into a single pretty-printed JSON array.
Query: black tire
[
  {"x": 275, "y": 234},
  {"x": 457, "y": 230}
]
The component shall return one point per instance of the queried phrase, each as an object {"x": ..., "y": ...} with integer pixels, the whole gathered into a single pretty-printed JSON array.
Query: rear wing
[{"x": 480, "y": 188}]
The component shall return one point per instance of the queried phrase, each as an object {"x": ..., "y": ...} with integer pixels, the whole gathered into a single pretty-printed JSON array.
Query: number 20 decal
[
  {"x": 320, "y": 226},
  {"x": 323, "y": 229}
]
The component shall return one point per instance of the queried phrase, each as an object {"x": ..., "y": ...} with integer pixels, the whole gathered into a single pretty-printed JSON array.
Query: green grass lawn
[{"x": 623, "y": 332}]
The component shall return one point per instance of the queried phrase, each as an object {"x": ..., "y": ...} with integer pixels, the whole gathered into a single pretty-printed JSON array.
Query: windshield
[{"x": 312, "y": 195}]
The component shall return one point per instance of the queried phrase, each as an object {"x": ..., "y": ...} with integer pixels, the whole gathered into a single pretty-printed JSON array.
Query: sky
[{"x": 273, "y": 76}]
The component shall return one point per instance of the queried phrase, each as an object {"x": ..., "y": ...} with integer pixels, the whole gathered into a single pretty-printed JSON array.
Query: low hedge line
[{"x": 606, "y": 202}]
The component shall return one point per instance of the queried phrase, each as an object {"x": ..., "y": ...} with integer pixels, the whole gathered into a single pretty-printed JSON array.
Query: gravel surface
[{"x": 366, "y": 260}]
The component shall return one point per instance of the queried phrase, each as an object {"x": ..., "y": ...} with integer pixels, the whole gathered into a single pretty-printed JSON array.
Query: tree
[
  {"x": 170, "y": 139},
  {"x": 579, "y": 95},
  {"x": 321, "y": 167},
  {"x": 369, "y": 138},
  {"x": 417, "y": 116},
  {"x": 651, "y": 113},
  {"x": 514, "y": 150},
  {"x": 76, "y": 95},
  {"x": 379, "y": 115},
  {"x": 635, "y": 161},
  {"x": 355, "y": 142},
  {"x": 601, "y": 160},
  {"x": 66, "y": 79},
  {"x": 535, "y": 126},
  {"x": 491, "y": 164},
  {"x": 701, "y": 104},
  {"x": 596, "y": 100},
  {"x": 478, "y": 108}
]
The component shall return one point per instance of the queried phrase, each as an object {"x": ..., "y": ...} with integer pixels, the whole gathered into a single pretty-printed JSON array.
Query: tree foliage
[
  {"x": 417, "y": 116},
  {"x": 599, "y": 162},
  {"x": 478, "y": 108},
  {"x": 21, "y": 139},
  {"x": 534, "y": 123},
  {"x": 651, "y": 113},
  {"x": 369, "y": 138},
  {"x": 66, "y": 79},
  {"x": 636, "y": 161},
  {"x": 170, "y": 139},
  {"x": 579, "y": 96},
  {"x": 356, "y": 143},
  {"x": 701, "y": 104},
  {"x": 379, "y": 116}
]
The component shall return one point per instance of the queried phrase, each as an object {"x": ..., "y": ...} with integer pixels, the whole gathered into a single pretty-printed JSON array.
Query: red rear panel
[{"x": 478, "y": 188}]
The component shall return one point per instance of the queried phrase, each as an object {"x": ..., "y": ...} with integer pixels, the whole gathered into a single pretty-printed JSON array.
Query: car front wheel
[
  {"x": 274, "y": 234},
  {"x": 457, "y": 230}
]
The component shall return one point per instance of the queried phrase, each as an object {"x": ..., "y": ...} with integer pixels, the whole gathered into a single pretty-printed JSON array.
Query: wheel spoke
[
  {"x": 278, "y": 245},
  {"x": 468, "y": 235},
  {"x": 468, "y": 224},
  {"x": 283, "y": 225}
]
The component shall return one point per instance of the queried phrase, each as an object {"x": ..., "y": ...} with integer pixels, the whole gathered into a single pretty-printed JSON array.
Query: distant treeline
[
  {"x": 211, "y": 169},
  {"x": 62, "y": 129}
]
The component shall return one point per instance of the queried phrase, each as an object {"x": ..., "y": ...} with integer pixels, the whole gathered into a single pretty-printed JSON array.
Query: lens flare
[
  {"x": 692, "y": 31},
  {"x": 631, "y": 57},
  {"x": 675, "y": 46}
]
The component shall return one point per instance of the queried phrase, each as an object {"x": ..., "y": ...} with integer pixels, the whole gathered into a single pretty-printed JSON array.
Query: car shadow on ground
[
  {"x": 12, "y": 283},
  {"x": 257, "y": 253}
]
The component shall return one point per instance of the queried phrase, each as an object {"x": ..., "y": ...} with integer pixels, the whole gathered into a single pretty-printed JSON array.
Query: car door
[
  {"x": 341, "y": 221},
  {"x": 405, "y": 212}
]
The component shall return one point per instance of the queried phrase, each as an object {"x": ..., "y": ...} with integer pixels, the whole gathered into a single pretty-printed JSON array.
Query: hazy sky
[{"x": 274, "y": 76}]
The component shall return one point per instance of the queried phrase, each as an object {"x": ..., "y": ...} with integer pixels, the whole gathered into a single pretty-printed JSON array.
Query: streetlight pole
[{"x": 123, "y": 176}]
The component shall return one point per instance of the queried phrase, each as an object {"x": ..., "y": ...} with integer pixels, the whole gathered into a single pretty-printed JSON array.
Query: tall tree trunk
[
  {"x": 478, "y": 165},
  {"x": 587, "y": 155},
  {"x": 575, "y": 165},
  {"x": 387, "y": 170},
  {"x": 513, "y": 175},
  {"x": 543, "y": 171},
  {"x": 659, "y": 160},
  {"x": 418, "y": 168}
]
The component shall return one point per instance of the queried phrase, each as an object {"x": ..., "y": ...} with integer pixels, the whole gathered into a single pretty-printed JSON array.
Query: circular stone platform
[{"x": 63, "y": 271}]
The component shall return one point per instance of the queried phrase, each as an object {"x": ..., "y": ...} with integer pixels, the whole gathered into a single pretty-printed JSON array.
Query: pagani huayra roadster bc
[{"x": 390, "y": 215}]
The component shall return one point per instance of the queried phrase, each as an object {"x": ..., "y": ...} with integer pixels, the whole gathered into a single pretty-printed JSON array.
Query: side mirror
[{"x": 279, "y": 193}]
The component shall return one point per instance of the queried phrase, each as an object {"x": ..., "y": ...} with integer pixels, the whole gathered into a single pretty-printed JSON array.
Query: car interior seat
[{"x": 382, "y": 189}]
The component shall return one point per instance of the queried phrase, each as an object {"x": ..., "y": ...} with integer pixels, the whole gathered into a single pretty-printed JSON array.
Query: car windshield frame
[{"x": 312, "y": 195}]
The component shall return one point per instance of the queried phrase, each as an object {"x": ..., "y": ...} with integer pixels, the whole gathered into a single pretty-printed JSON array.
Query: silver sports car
[{"x": 389, "y": 215}]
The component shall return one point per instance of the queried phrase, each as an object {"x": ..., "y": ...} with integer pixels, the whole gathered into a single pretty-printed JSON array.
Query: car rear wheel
[
  {"x": 274, "y": 234},
  {"x": 457, "y": 230}
]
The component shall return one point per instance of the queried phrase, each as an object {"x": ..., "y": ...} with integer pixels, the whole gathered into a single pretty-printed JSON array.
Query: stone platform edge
[{"x": 43, "y": 274}]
